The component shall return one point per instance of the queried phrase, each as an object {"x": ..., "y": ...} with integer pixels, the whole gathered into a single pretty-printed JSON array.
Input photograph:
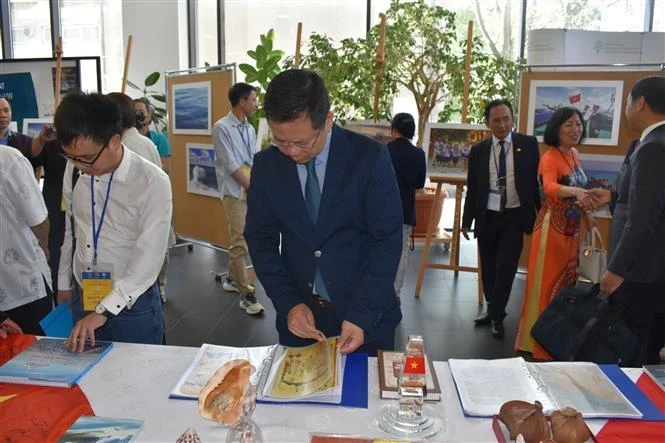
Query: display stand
[{"x": 196, "y": 216}]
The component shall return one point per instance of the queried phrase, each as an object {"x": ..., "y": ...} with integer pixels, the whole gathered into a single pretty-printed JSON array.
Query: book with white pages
[
  {"x": 484, "y": 385},
  {"x": 282, "y": 374}
]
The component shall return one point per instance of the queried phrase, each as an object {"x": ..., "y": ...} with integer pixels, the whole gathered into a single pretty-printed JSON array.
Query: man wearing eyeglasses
[
  {"x": 118, "y": 218},
  {"x": 324, "y": 223},
  {"x": 234, "y": 139}
]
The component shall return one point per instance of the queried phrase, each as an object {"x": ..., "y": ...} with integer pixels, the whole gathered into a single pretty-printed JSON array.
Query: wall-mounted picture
[
  {"x": 69, "y": 79},
  {"x": 447, "y": 146},
  {"x": 263, "y": 135},
  {"x": 191, "y": 108},
  {"x": 602, "y": 170},
  {"x": 377, "y": 130},
  {"x": 32, "y": 126},
  {"x": 201, "y": 174},
  {"x": 599, "y": 102}
]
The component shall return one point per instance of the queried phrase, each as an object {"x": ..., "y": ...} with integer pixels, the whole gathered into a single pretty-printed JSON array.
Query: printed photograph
[
  {"x": 601, "y": 170},
  {"x": 32, "y": 126},
  {"x": 102, "y": 429},
  {"x": 447, "y": 146},
  {"x": 69, "y": 79},
  {"x": 598, "y": 101},
  {"x": 201, "y": 174},
  {"x": 379, "y": 130},
  {"x": 191, "y": 108}
]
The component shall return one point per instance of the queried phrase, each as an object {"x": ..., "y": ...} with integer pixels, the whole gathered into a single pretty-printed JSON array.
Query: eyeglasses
[
  {"x": 84, "y": 162},
  {"x": 290, "y": 145}
]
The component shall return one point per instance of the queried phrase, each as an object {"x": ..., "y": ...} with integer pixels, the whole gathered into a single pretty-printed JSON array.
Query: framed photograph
[
  {"x": 201, "y": 173},
  {"x": 601, "y": 170},
  {"x": 32, "y": 126},
  {"x": 69, "y": 79},
  {"x": 13, "y": 126},
  {"x": 447, "y": 146},
  {"x": 599, "y": 102},
  {"x": 377, "y": 130},
  {"x": 191, "y": 108}
]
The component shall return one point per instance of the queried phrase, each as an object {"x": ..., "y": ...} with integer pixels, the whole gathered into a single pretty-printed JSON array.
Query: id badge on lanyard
[{"x": 97, "y": 279}]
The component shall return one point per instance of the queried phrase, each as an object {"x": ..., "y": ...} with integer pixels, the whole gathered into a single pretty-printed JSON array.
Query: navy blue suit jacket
[{"x": 356, "y": 242}]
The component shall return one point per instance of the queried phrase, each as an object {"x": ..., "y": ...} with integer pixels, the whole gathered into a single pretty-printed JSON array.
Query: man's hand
[
  {"x": 465, "y": 232},
  {"x": 63, "y": 297},
  {"x": 301, "y": 323},
  {"x": 47, "y": 134},
  {"x": 9, "y": 327},
  {"x": 610, "y": 282},
  {"x": 602, "y": 196},
  {"x": 351, "y": 338},
  {"x": 83, "y": 331}
]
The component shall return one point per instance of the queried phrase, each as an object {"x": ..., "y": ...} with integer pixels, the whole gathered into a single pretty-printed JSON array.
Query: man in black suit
[
  {"x": 636, "y": 269},
  {"x": 502, "y": 197},
  {"x": 410, "y": 169}
]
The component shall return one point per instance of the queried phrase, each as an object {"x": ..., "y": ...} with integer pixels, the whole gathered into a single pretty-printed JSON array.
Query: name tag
[
  {"x": 494, "y": 201},
  {"x": 95, "y": 285}
]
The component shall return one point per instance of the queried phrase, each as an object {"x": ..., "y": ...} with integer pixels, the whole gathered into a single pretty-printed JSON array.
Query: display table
[{"x": 134, "y": 381}]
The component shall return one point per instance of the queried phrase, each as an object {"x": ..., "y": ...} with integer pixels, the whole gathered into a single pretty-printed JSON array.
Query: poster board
[
  {"x": 29, "y": 84},
  {"x": 197, "y": 215},
  {"x": 628, "y": 79}
]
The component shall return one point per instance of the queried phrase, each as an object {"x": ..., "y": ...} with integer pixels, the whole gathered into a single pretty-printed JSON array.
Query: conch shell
[
  {"x": 524, "y": 418},
  {"x": 568, "y": 426},
  {"x": 222, "y": 398}
]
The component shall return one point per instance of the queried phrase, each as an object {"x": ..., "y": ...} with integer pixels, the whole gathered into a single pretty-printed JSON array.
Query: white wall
[{"x": 156, "y": 27}]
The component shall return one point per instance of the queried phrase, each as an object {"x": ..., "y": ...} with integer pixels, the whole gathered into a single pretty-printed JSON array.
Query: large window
[
  {"x": 246, "y": 20},
  {"x": 588, "y": 15},
  {"x": 206, "y": 32},
  {"x": 30, "y": 28},
  {"x": 659, "y": 16}
]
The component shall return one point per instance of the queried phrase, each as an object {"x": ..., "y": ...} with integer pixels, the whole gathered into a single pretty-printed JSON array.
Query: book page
[
  {"x": 208, "y": 360},
  {"x": 305, "y": 371},
  {"x": 583, "y": 386},
  {"x": 484, "y": 385}
]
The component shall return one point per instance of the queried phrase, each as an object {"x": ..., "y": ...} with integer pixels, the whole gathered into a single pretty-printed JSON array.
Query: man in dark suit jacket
[
  {"x": 18, "y": 141},
  {"x": 410, "y": 168},
  {"x": 503, "y": 198},
  {"x": 636, "y": 268},
  {"x": 324, "y": 223}
]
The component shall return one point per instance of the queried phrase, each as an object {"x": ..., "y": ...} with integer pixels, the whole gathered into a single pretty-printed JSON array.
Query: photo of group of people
[{"x": 448, "y": 146}]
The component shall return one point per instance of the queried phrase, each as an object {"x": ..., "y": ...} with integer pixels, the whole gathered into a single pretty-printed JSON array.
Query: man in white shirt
[
  {"x": 121, "y": 209},
  {"x": 133, "y": 140},
  {"x": 235, "y": 145},
  {"x": 25, "y": 277}
]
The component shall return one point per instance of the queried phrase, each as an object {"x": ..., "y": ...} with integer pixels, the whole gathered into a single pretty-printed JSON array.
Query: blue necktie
[{"x": 312, "y": 202}]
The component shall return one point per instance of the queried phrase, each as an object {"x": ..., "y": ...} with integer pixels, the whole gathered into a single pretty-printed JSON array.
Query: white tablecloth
[{"x": 134, "y": 381}]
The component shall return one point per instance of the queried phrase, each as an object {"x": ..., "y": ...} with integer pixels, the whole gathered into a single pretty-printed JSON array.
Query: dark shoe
[
  {"x": 497, "y": 329},
  {"x": 483, "y": 320}
]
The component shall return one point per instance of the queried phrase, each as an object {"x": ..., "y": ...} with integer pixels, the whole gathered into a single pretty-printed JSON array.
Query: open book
[
  {"x": 484, "y": 385},
  {"x": 313, "y": 373}
]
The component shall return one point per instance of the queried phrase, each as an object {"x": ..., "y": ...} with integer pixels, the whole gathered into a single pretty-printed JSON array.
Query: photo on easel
[
  {"x": 201, "y": 173},
  {"x": 447, "y": 146},
  {"x": 69, "y": 79}
]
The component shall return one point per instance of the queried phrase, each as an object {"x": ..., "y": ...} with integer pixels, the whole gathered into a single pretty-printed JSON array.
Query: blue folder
[
  {"x": 650, "y": 412},
  {"x": 58, "y": 323},
  {"x": 354, "y": 389}
]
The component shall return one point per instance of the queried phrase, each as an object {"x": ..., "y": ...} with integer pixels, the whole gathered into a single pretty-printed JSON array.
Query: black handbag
[{"x": 579, "y": 325}]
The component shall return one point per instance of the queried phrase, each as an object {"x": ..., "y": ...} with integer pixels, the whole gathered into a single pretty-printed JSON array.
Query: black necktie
[{"x": 501, "y": 173}]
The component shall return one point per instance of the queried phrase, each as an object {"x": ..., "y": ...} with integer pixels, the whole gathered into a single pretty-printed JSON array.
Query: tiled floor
[{"x": 200, "y": 311}]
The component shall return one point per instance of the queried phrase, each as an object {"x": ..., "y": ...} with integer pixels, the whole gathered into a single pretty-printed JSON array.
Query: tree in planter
[
  {"x": 158, "y": 100},
  {"x": 267, "y": 66}
]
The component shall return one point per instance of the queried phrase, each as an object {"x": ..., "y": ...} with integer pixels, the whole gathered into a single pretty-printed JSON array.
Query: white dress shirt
[
  {"x": 23, "y": 265},
  {"x": 648, "y": 129},
  {"x": 141, "y": 145},
  {"x": 512, "y": 199},
  {"x": 134, "y": 234}
]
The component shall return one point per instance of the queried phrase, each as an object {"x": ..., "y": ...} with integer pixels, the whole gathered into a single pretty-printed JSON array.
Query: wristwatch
[{"x": 101, "y": 310}]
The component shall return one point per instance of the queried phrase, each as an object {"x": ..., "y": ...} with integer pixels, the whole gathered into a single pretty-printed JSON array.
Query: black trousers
[
  {"x": 500, "y": 245},
  {"x": 28, "y": 316},
  {"x": 56, "y": 237},
  {"x": 642, "y": 307}
]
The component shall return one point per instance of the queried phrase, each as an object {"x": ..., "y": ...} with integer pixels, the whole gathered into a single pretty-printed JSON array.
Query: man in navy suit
[
  {"x": 503, "y": 198},
  {"x": 324, "y": 223}
]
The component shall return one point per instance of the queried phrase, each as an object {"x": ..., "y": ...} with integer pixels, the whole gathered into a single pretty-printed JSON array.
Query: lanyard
[
  {"x": 96, "y": 232},
  {"x": 573, "y": 170},
  {"x": 245, "y": 142},
  {"x": 496, "y": 164}
]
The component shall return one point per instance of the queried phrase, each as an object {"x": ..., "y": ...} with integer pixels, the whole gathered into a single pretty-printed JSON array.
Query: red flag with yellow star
[{"x": 414, "y": 365}]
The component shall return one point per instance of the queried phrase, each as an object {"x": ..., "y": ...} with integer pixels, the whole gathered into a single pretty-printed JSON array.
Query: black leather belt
[{"x": 321, "y": 302}]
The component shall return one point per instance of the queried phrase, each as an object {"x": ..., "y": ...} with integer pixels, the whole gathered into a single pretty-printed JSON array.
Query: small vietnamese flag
[{"x": 414, "y": 365}]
